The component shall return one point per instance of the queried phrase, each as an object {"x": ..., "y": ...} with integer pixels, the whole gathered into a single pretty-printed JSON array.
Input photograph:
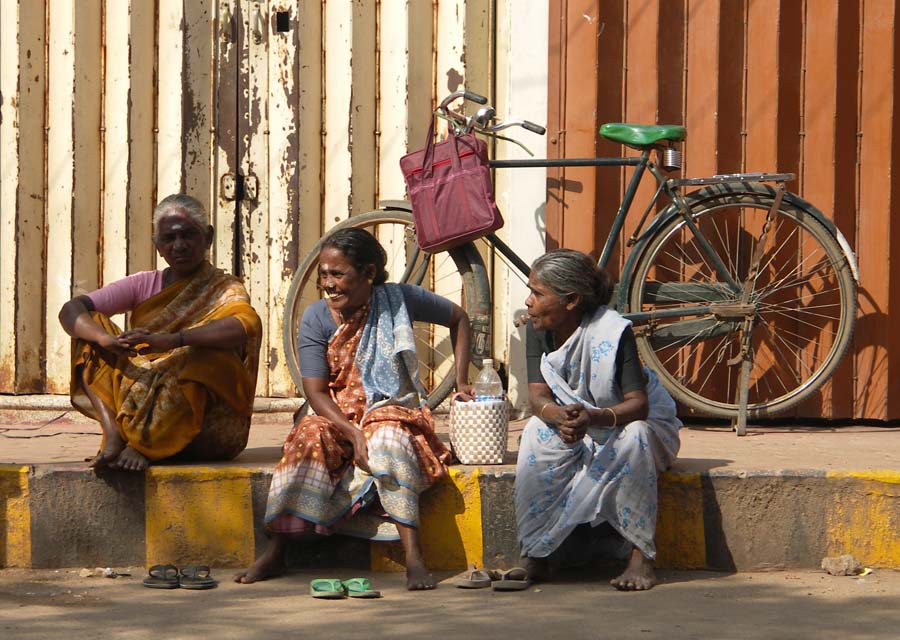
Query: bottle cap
[{"x": 487, "y": 362}]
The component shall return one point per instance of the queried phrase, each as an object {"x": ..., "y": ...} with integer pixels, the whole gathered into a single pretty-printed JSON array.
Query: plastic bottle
[{"x": 487, "y": 384}]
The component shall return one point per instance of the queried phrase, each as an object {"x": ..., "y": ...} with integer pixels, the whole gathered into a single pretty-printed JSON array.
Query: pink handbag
[{"x": 449, "y": 185}]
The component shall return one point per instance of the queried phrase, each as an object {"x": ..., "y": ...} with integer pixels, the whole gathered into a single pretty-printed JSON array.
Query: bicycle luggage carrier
[{"x": 732, "y": 177}]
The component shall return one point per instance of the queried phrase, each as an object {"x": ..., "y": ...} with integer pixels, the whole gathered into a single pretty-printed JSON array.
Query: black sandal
[
  {"x": 162, "y": 576},
  {"x": 196, "y": 577}
]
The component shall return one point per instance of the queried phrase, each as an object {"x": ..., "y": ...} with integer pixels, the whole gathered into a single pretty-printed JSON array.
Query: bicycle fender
[
  {"x": 396, "y": 205},
  {"x": 718, "y": 191},
  {"x": 848, "y": 254}
]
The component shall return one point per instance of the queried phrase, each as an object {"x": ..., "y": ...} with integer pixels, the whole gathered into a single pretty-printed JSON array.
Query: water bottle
[{"x": 487, "y": 384}]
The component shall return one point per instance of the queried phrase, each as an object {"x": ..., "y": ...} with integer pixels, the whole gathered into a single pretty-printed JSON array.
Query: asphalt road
[{"x": 788, "y": 604}]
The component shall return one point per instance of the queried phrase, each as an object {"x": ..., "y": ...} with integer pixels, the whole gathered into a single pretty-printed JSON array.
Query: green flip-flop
[
  {"x": 327, "y": 589},
  {"x": 360, "y": 588}
]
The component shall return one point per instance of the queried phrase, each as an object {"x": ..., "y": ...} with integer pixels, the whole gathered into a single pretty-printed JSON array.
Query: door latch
[{"x": 234, "y": 186}]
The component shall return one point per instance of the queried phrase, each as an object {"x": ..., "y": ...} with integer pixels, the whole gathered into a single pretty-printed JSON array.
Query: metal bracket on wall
[
  {"x": 257, "y": 24},
  {"x": 226, "y": 26}
]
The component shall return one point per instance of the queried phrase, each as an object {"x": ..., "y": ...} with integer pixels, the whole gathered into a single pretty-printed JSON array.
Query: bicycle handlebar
[
  {"x": 480, "y": 121},
  {"x": 534, "y": 128},
  {"x": 474, "y": 97}
]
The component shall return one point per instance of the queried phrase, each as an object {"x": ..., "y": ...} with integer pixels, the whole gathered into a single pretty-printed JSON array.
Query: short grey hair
[
  {"x": 186, "y": 203},
  {"x": 567, "y": 272}
]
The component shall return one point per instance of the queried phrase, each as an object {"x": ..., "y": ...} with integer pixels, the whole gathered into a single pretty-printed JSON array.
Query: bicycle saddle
[{"x": 641, "y": 135}]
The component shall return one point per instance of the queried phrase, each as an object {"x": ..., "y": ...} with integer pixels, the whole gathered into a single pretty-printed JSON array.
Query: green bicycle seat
[{"x": 641, "y": 135}]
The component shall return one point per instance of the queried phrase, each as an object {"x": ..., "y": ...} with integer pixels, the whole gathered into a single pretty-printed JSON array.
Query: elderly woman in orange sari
[{"x": 180, "y": 382}]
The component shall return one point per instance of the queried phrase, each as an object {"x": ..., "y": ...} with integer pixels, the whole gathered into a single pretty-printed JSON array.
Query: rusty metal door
[{"x": 253, "y": 176}]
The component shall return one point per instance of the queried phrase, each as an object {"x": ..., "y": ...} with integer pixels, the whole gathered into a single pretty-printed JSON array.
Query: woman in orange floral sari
[
  {"x": 357, "y": 467},
  {"x": 181, "y": 381}
]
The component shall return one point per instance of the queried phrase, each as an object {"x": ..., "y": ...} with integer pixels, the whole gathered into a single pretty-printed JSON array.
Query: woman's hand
[
  {"x": 574, "y": 423},
  {"x": 360, "y": 449},
  {"x": 465, "y": 392},
  {"x": 115, "y": 344},
  {"x": 157, "y": 342},
  {"x": 318, "y": 394}
]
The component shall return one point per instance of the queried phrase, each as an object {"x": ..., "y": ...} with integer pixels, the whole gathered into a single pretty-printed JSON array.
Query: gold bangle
[
  {"x": 615, "y": 418},
  {"x": 546, "y": 404}
]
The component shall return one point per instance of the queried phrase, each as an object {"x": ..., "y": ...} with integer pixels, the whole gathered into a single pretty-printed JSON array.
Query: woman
[
  {"x": 358, "y": 465},
  {"x": 603, "y": 427},
  {"x": 181, "y": 381}
]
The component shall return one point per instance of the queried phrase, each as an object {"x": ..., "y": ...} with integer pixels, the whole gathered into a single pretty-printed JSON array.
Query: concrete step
[{"x": 778, "y": 498}]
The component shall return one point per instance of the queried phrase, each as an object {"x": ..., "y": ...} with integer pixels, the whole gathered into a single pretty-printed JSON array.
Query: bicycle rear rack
[{"x": 732, "y": 177}]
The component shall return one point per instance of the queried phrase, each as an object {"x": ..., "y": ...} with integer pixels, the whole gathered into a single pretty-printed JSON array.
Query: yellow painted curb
[
  {"x": 199, "y": 515},
  {"x": 15, "y": 517},
  {"x": 864, "y": 522},
  {"x": 680, "y": 535},
  {"x": 450, "y": 533}
]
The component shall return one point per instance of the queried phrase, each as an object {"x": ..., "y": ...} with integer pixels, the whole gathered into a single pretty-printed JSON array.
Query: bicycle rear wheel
[
  {"x": 801, "y": 307},
  {"x": 458, "y": 275}
]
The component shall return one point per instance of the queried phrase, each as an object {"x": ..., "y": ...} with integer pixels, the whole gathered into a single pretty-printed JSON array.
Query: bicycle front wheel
[
  {"x": 458, "y": 275},
  {"x": 693, "y": 326}
]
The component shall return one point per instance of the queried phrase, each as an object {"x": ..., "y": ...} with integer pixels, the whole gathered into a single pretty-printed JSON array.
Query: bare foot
[
  {"x": 112, "y": 444},
  {"x": 269, "y": 565},
  {"x": 112, "y": 448},
  {"x": 130, "y": 460},
  {"x": 537, "y": 568},
  {"x": 638, "y": 575},
  {"x": 418, "y": 578}
]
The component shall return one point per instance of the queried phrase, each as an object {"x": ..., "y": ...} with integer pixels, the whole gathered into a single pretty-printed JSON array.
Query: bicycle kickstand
[
  {"x": 746, "y": 355},
  {"x": 740, "y": 425}
]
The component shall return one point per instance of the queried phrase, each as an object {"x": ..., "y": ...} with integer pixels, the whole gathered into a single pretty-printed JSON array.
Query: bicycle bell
[
  {"x": 483, "y": 116},
  {"x": 670, "y": 158}
]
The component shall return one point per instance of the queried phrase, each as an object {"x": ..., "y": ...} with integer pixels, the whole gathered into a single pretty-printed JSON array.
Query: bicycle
[{"x": 742, "y": 295}]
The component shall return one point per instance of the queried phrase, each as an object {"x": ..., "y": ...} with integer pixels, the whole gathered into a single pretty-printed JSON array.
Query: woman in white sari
[{"x": 603, "y": 427}]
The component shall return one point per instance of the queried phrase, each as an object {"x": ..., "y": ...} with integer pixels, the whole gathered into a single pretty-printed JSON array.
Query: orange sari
[
  {"x": 196, "y": 401},
  {"x": 316, "y": 488}
]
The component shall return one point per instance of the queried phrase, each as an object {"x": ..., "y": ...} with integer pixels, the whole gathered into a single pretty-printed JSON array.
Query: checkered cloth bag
[{"x": 478, "y": 430}]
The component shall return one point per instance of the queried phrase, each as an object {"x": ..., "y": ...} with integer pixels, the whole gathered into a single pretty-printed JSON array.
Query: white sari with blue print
[{"x": 610, "y": 475}]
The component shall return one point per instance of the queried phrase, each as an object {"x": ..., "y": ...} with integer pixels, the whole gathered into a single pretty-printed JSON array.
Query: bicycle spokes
[{"x": 783, "y": 328}]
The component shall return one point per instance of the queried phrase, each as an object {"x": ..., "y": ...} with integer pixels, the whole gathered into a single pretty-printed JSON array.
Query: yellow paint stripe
[
  {"x": 15, "y": 517},
  {"x": 888, "y": 477},
  {"x": 680, "y": 536},
  {"x": 199, "y": 516},
  {"x": 864, "y": 518},
  {"x": 451, "y": 531}
]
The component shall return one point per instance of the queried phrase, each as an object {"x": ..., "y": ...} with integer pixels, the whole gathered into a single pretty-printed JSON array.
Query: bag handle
[{"x": 428, "y": 159}]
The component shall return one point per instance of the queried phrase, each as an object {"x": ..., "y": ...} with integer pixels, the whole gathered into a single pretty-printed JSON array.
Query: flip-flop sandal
[
  {"x": 327, "y": 589},
  {"x": 515, "y": 579},
  {"x": 360, "y": 588},
  {"x": 196, "y": 577},
  {"x": 474, "y": 579},
  {"x": 162, "y": 576}
]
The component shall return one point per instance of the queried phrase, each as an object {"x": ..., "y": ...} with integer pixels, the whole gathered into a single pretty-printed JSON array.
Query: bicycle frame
[{"x": 670, "y": 187}]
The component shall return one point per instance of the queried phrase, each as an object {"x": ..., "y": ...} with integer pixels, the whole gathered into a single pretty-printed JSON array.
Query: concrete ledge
[
  {"x": 65, "y": 516},
  {"x": 30, "y": 403}
]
